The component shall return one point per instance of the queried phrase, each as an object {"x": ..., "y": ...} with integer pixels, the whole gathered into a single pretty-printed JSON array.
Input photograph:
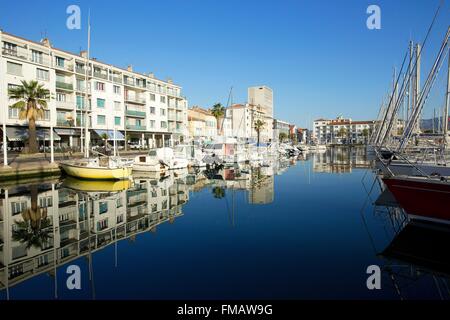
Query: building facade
[
  {"x": 281, "y": 128},
  {"x": 262, "y": 98},
  {"x": 202, "y": 124},
  {"x": 342, "y": 131},
  {"x": 137, "y": 107}
]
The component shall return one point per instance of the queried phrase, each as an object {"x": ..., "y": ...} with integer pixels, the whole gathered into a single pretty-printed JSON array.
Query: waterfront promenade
[{"x": 21, "y": 166}]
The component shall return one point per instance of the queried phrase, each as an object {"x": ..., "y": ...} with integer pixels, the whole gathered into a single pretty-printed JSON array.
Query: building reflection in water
[
  {"x": 340, "y": 159},
  {"x": 43, "y": 226}
]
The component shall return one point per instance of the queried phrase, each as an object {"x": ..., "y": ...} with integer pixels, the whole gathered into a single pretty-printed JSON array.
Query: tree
[
  {"x": 218, "y": 192},
  {"x": 282, "y": 136},
  {"x": 365, "y": 134},
  {"x": 34, "y": 230},
  {"x": 342, "y": 132},
  {"x": 32, "y": 102},
  {"x": 218, "y": 111},
  {"x": 259, "y": 125}
]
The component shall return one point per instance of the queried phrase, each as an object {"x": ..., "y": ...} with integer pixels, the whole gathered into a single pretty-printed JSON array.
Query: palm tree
[
  {"x": 259, "y": 125},
  {"x": 365, "y": 134},
  {"x": 282, "y": 136},
  {"x": 342, "y": 132},
  {"x": 218, "y": 192},
  {"x": 218, "y": 111},
  {"x": 32, "y": 102},
  {"x": 34, "y": 230}
]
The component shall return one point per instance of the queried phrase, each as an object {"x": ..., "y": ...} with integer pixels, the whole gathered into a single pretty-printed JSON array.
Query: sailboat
[{"x": 100, "y": 168}]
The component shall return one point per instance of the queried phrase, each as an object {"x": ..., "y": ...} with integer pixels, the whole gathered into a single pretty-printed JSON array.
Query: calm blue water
[{"x": 303, "y": 229}]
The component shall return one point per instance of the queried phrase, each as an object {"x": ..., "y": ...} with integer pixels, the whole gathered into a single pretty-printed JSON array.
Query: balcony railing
[
  {"x": 64, "y": 123},
  {"x": 117, "y": 79},
  {"x": 23, "y": 54},
  {"x": 64, "y": 85},
  {"x": 100, "y": 75},
  {"x": 135, "y": 113},
  {"x": 65, "y": 104},
  {"x": 65, "y": 67},
  {"x": 135, "y": 127},
  {"x": 17, "y": 52},
  {"x": 135, "y": 99}
]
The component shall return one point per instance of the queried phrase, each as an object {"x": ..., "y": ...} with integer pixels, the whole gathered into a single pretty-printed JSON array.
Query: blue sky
[{"x": 317, "y": 56}]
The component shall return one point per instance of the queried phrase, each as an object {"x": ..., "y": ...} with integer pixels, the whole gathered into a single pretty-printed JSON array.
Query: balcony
[
  {"x": 116, "y": 79},
  {"x": 70, "y": 105},
  {"x": 64, "y": 123},
  {"x": 64, "y": 85},
  {"x": 17, "y": 52},
  {"x": 101, "y": 75},
  {"x": 80, "y": 70},
  {"x": 172, "y": 116},
  {"x": 135, "y": 99},
  {"x": 135, "y": 113},
  {"x": 64, "y": 67},
  {"x": 136, "y": 127}
]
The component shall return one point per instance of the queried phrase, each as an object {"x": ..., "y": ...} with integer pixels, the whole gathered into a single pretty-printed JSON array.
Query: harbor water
[{"x": 301, "y": 228}]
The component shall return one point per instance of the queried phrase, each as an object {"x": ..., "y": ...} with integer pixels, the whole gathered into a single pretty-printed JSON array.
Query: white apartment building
[
  {"x": 341, "y": 130},
  {"x": 138, "y": 106},
  {"x": 240, "y": 121}
]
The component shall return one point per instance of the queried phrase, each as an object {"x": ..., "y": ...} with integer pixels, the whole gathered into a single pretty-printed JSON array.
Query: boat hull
[
  {"x": 402, "y": 168},
  {"x": 422, "y": 198},
  {"x": 96, "y": 173}
]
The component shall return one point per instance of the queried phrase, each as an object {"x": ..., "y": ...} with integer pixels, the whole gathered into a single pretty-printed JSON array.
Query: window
[
  {"x": 120, "y": 219},
  {"x": 45, "y": 202},
  {"x": 99, "y": 86},
  {"x": 61, "y": 97},
  {"x": 60, "y": 62},
  {"x": 163, "y": 99},
  {"x": 117, "y": 106},
  {"x": 103, "y": 207},
  {"x": 18, "y": 207},
  {"x": 152, "y": 110},
  {"x": 36, "y": 56},
  {"x": 46, "y": 115},
  {"x": 13, "y": 113},
  {"x": 116, "y": 89},
  {"x": 42, "y": 74},
  {"x": 14, "y": 68},
  {"x": 152, "y": 97},
  {"x": 117, "y": 121},
  {"x": 101, "y": 120},
  {"x": 163, "y": 124},
  {"x": 152, "y": 124},
  {"x": 119, "y": 203},
  {"x": 102, "y": 224},
  {"x": 100, "y": 103},
  {"x": 163, "y": 112},
  {"x": 138, "y": 122},
  {"x": 10, "y": 48}
]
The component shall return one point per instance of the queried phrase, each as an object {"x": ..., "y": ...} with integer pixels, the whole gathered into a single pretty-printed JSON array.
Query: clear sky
[{"x": 318, "y": 56}]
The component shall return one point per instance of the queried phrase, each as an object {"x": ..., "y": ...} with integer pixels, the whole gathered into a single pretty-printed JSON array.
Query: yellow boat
[
  {"x": 96, "y": 186},
  {"x": 112, "y": 169}
]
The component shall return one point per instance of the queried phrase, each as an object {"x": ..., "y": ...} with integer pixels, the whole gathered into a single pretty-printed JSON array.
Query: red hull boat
[{"x": 425, "y": 198}]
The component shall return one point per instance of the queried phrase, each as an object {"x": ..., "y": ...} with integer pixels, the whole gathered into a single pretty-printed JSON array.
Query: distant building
[
  {"x": 302, "y": 135},
  {"x": 280, "y": 127},
  {"x": 262, "y": 98},
  {"x": 201, "y": 124},
  {"x": 341, "y": 131}
]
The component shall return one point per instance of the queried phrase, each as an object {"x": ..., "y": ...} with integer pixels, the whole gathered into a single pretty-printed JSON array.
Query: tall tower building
[{"x": 262, "y": 96}]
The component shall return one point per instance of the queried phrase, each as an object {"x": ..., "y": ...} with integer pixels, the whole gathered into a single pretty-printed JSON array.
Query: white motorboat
[
  {"x": 160, "y": 160},
  {"x": 229, "y": 151}
]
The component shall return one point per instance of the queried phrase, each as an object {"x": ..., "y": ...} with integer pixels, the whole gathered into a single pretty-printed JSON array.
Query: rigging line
[{"x": 414, "y": 67}]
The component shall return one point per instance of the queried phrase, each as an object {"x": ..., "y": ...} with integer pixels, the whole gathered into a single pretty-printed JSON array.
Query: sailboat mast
[
  {"x": 86, "y": 141},
  {"x": 447, "y": 103}
]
